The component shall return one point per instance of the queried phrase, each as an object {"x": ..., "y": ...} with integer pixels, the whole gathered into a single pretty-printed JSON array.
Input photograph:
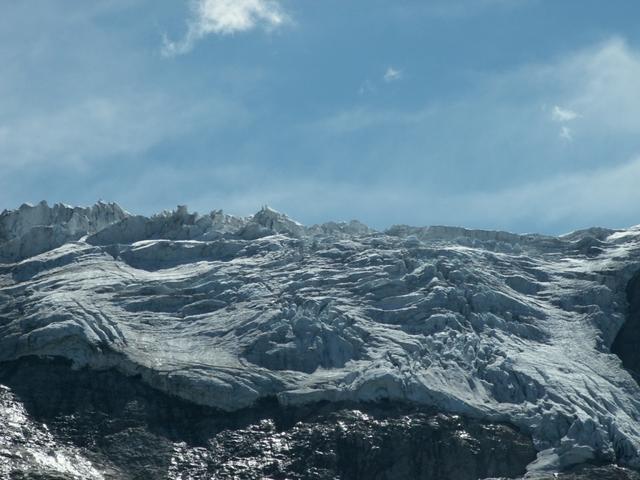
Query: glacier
[{"x": 226, "y": 311}]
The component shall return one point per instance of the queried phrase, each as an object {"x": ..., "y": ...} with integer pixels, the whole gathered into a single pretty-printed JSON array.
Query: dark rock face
[
  {"x": 600, "y": 472},
  {"x": 128, "y": 430},
  {"x": 627, "y": 342}
]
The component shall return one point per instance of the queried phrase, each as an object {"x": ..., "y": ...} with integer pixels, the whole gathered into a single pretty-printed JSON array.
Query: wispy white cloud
[
  {"x": 225, "y": 17},
  {"x": 566, "y": 133},
  {"x": 361, "y": 118},
  {"x": 564, "y": 116},
  {"x": 605, "y": 86},
  {"x": 600, "y": 84},
  {"x": 392, "y": 75},
  {"x": 368, "y": 86},
  {"x": 560, "y": 114}
]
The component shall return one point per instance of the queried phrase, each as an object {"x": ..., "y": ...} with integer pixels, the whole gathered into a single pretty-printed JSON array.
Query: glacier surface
[{"x": 224, "y": 311}]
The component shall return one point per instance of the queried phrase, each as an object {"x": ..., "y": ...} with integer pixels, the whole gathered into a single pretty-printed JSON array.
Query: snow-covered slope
[{"x": 223, "y": 311}]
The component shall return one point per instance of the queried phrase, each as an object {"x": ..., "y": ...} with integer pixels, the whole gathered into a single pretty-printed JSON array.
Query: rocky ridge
[{"x": 225, "y": 312}]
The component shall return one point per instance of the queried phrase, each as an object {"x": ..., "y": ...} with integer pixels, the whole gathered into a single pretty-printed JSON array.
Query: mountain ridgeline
[{"x": 212, "y": 346}]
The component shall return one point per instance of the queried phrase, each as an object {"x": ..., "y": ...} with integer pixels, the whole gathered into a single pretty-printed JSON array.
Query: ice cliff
[{"x": 225, "y": 311}]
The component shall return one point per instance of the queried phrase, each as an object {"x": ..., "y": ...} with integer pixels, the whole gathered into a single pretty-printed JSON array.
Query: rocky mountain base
[
  {"x": 122, "y": 429},
  {"x": 87, "y": 424}
]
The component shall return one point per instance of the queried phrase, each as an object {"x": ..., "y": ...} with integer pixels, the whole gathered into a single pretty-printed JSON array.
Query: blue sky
[{"x": 521, "y": 115}]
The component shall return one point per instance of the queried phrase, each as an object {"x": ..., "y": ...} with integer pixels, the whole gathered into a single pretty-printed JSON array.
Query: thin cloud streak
[{"x": 94, "y": 129}]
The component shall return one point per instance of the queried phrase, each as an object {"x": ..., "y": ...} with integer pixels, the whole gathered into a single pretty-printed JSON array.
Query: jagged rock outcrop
[
  {"x": 103, "y": 425},
  {"x": 224, "y": 312},
  {"x": 31, "y": 230}
]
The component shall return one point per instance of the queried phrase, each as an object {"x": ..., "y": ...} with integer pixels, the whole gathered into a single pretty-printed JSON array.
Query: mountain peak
[
  {"x": 278, "y": 222},
  {"x": 24, "y": 230}
]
